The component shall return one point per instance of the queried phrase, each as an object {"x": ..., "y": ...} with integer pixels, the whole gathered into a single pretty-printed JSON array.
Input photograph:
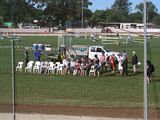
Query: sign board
[{"x": 8, "y": 24}]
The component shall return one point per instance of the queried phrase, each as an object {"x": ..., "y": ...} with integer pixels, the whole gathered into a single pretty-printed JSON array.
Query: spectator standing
[
  {"x": 150, "y": 69},
  {"x": 26, "y": 55},
  {"x": 120, "y": 67},
  {"x": 93, "y": 37},
  {"x": 37, "y": 55},
  {"x": 125, "y": 66},
  {"x": 134, "y": 62},
  {"x": 103, "y": 61},
  {"x": 97, "y": 65},
  {"x": 62, "y": 50},
  {"x": 112, "y": 63},
  {"x": 65, "y": 62}
]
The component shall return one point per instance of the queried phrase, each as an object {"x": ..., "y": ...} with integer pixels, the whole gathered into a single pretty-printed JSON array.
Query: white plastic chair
[
  {"x": 19, "y": 66},
  {"x": 92, "y": 70},
  {"x": 57, "y": 66},
  {"x": 51, "y": 68},
  {"x": 43, "y": 66},
  {"x": 36, "y": 67},
  {"x": 60, "y": 69},
  {"x": 31, "y": 62},
  {"x": 29, "y": 66}
]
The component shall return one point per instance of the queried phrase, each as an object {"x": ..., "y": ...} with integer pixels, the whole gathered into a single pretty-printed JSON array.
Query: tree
[
  {"x": 151, "y": 10},
  {"x": 112, "y": 16},
  {"x": 98, "y": 16},
  {"x": 122, "y": 7},
  {"x": 156, "y": 20},
  {"x": 40, "y": 4},
  {"x": 135, "y": 17},
  {"x": 2, "y": 12},
  {"x": 24, "y": 12},
  {"x": 17, "y": 11},
  {"x": 66, "y": 10},
  {"x": 2, "y": 7}
]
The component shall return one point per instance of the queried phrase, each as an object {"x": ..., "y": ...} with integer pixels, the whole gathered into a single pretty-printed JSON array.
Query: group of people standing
[
  {"x": 83, "y": 65},
  {"x": 123, "y": 66},
  {"x": 123, "y": 63}
]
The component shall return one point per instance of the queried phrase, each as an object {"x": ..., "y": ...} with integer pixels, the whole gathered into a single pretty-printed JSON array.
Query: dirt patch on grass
[{"x": 112, "y": 112}]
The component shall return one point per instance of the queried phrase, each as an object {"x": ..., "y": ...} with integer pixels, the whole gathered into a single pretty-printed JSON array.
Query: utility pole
[{"x": 13, "y": 79}]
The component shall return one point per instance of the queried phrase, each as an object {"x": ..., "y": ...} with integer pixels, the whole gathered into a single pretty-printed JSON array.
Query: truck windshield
[{"x": 106, "y": 49}]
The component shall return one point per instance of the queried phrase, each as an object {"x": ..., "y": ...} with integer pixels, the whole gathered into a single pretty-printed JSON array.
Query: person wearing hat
[{"x": 134, "y": 62}]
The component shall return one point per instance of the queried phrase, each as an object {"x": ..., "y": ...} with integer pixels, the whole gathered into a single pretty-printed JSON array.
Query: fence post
[
  {"x": 13, "y": 79},
  {"x": 145, "y": 64}
]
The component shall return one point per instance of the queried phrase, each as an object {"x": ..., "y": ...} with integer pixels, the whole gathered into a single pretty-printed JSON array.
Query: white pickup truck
[
  {"x": 97, "y": 50},
  {"x": 91, "y": 51}
]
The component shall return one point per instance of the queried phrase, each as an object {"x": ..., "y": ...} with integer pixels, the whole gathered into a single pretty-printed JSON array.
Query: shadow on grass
[
  {"x": 130, "y": 73},
  {"x": 116, "y": 74}
]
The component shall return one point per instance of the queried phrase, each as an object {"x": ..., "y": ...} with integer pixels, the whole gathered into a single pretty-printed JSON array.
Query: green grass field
[{"x": 107, "y": 90}]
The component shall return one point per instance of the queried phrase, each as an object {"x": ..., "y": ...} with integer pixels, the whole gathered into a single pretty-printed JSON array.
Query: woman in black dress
[{"x": 149, "y": 71}]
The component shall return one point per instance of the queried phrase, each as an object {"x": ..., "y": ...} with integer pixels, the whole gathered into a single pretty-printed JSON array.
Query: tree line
[{"x": 69, "y": 13}]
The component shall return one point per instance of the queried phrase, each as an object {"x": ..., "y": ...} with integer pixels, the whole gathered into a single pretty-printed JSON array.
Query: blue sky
[{"x": 103, "y": 4}]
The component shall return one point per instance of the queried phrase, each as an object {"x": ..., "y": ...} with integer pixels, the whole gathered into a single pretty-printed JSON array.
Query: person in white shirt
[{"x": 65, "y": 63}]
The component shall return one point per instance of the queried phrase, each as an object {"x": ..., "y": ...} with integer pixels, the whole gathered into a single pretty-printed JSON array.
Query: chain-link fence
[{"x": 41, "y": 89}]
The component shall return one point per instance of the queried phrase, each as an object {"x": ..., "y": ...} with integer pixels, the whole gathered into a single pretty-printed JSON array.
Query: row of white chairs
[
  {"x": 46, "y": 67},
  {"x": 39, "y": 67}
]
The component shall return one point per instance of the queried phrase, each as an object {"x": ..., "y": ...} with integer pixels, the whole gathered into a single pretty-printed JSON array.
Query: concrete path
[{"x": 8, "y": 116}]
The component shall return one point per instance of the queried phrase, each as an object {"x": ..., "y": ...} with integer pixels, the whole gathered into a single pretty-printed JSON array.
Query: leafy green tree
[
  {"x": 24, "y": 12},
  {"x": 98, "y": 16},
  {"x": 2, "y": 7},
  {"x": 151, "y": 10},
  {"x": 66, "y": 10},
  {"x": 2, "y": 11},
  {"x": 135, "y": 17},
  {"x": 112, "y": 16},
  {"x": 156, "y": 20},
  {"x": 122, "y": 7},
  {"x": 18, "y": 11}
]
